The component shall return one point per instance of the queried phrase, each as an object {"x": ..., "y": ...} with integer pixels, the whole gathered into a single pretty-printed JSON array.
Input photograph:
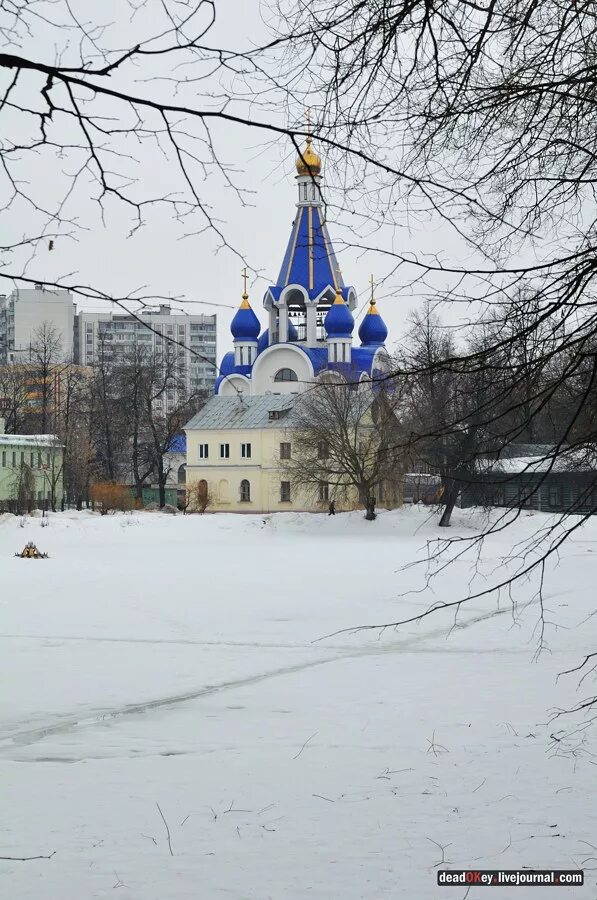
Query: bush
[
  {"x": 198, "y": 496},
  {"x": 110, "y": 497}
]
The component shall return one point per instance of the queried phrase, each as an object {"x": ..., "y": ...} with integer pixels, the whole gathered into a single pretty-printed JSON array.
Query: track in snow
[{"x": 66, "y": 723}]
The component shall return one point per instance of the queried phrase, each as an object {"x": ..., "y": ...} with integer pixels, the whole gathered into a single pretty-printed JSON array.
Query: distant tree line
[
  {"x": 116, "y": 419},
  {"x": 448, "y": 401}
]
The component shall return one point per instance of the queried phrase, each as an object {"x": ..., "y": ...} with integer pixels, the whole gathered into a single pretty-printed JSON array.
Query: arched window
[
  {"x": 182, "y": 474},
  {"x": 285, "y": 375},
  {"x": 223, "y": 490},
  {"x": 245, "y": 491}
]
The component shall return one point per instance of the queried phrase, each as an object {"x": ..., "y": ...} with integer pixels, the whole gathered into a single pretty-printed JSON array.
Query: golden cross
[
  {"x": 372, "y": 287},
  {"x": 308, "y": 118},
  {"x": 245, "y": 277}
]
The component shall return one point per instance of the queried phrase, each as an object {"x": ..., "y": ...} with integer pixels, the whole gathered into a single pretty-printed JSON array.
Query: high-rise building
[
  {"x": 192, "y": 338},
  {"x": 3, "y": 328},
  {"x": 30, "y": 315}
]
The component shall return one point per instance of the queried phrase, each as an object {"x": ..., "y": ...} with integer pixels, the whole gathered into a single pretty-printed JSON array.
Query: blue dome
[
  {"x": 373, "y": 330},
  {"x": 339, "y": 322},
  {"x": 263, "y": 342},
  {"x": 245, "y": 325}
]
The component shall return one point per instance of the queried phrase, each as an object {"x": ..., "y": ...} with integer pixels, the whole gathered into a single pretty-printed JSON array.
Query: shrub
[
  {"x": 198, "y": 496},
  {"x": 110, "y": 497}
]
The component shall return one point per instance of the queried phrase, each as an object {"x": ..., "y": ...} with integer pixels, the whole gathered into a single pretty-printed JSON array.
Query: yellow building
[{"x": 237, "y": 447}]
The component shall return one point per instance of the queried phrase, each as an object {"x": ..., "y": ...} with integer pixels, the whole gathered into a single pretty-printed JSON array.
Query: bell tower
[{"x": 310, "y": 277}]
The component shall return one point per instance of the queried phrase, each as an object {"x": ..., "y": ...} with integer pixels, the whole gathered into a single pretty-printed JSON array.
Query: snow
[
  {"x": 179, "y": 661},
  {"x": 565, "y": 460},
  {"x": 34, "y": 440}
]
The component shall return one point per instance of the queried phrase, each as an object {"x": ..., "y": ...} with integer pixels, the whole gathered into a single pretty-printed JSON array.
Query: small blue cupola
[
  {"x": 245, "y": 325},
  {"x": 339, "y": 325},
  {"x": 373, "y": 331},
  {"x": 339, "y": 322},
  {"x": 245, "y": 328}
]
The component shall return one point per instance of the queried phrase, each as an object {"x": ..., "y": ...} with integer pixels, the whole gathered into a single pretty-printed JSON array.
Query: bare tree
[
  {"x": 23, "y": 488},
  {"x": 73, "y": 426},
  {"x": 44, "y": 367},
  {"x": 109, "y": 428},
  {"x": 134, "y": 373},
  {"x": 14, "y": 396},
  {"x": 167, "y": 407},
  {"x": 157, "y": 403},
  {"x": 343, "y": 440}
]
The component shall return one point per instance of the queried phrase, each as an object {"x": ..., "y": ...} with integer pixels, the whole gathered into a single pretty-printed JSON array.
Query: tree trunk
[
  {"x": 451, "y": 495},
  {"x": 367, "y": 501}
]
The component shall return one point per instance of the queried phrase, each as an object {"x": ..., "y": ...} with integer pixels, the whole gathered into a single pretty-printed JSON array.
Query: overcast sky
[{"x": 164, "y": 262}]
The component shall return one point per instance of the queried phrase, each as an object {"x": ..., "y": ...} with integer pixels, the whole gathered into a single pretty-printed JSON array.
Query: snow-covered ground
[{"x": 170, "y": 666}]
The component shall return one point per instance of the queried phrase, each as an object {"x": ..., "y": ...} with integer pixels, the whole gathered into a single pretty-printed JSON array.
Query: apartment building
[
  {"x": 26, "y": 312},
  {"x": 118, "y": 334}
]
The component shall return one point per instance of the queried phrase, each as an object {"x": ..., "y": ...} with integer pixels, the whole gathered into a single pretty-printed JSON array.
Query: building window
[
  {"x": 285, "y": 375},
  {"x": 203, "y": 451},
  {"x": 22, "y": 457},
  {"x": 14, "y": 459},
  {"x": 32, "y": 459},
  {"x": 324, "y": 490},
  {"x": 555, "y": 496},
  {"x": 224, "y": 451},
  {"x": 245, "y": 451},
  {"x": 4, "y": 459},
  {"x": 323, "y": 450},
  {"x": 39, "y": 460},
  {"x": 245, "y": 491},
  {"x": 285, "y": 451},
  {"x": 284, "y": 492}
]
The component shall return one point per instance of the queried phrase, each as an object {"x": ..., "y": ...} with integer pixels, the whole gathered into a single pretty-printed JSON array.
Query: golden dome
[{"x": 309, "y": 162}]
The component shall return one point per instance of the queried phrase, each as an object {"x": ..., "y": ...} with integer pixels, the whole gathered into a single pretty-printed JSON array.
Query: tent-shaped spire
[{"x": 309, "y": 259}]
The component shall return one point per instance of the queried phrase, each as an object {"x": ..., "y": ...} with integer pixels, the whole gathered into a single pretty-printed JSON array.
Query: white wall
[{"x": 280, "y": 356}]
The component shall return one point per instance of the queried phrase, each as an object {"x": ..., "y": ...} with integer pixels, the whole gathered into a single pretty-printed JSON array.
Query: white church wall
[
  {"x": 281, "y": 356},
  {"x": 232, "y": 384}
]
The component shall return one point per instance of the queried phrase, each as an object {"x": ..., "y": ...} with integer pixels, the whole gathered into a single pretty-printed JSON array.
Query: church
[{"x": 236, "y": 441}]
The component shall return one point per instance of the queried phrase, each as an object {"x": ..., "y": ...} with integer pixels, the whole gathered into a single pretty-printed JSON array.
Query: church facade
[{"x": 237, "y": 443}]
